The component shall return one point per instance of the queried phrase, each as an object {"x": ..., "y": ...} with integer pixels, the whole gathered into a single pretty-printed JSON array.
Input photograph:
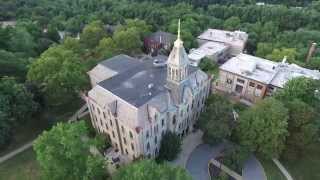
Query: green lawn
[
  {"x": 34, "y": 126},
  {"x": 271, "y": 170},
  {"x": 24, "y": 166},
  {"x": 21, "y": 167},
  {"x": 307, "y": 166}
]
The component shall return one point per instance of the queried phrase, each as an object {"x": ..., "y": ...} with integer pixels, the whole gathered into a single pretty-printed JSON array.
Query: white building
[
  {"x": 212, "y": 50},
  {"x": 236, "y": 40},
  {"x": 252, "y": 78},
  {"x": 135, "y": 101}
]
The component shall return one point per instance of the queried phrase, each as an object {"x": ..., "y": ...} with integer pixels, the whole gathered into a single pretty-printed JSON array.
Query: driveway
[
  {"x": 197, "y": 164},
  {"x": 253, "y": 170}
]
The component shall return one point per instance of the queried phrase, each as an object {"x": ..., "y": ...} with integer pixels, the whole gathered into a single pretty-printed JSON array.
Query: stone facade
[{"x": 136, "y": 104}]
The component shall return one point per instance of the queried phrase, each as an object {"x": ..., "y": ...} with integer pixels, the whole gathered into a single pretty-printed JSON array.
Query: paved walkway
[
  {"x": 15, "y": 152},
  {"x": 80, "y": 113},
  {"x": 253, "y": 170},
  {"x": 197, "y": 164},
  {"x": 282, "y": 169},
  {"x": 189, "y": 143}
]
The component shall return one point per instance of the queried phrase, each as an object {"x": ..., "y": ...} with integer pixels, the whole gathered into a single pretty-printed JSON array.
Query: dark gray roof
[
  {"x": 139, "y": 84},
  {"x": 120, "y": 63}
]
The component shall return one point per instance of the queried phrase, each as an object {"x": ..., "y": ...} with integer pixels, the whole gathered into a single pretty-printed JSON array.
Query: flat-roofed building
[
  {"x": 211, "y": 50},
  {"x": 252, "y": 78},
  {"x": 236, "y": 40}
]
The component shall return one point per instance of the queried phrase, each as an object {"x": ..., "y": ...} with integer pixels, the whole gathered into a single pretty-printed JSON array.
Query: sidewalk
[
  {"x": 15, "y": 152},
  {"x": 282, "y": 169},
  {"x": 189, "y": 143}
]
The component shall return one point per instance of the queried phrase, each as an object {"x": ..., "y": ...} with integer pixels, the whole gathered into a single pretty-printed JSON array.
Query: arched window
[{"x": 174, "y": 119}]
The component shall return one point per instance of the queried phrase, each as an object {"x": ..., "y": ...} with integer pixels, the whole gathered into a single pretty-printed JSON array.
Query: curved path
[
  {"x": 197, "y": 164},
  {"x": 253, "y": 170}
]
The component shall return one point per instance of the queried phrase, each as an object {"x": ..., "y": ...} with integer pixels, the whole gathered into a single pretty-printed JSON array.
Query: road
[
  {"x": 197, "y": 164},
  {"x": 253, "y": 170}
]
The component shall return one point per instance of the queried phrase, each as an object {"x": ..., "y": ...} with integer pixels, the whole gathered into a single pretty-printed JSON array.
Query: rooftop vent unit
[{"x": 159, "y": 63}]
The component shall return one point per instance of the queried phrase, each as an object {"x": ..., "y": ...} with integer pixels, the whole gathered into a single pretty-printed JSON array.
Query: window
[
  {"x": 124, "y": 141},
  {"x": 147, "y": 134},
  {"x": 98, "y": 110},
  {"x": 148, "y": 146},
  {"x": 132, "y": 147},
  {"x": 259, "y": 87},
  {"x": 101, "y": 122},
  {"x": 127, "y": 151},
  {"x": 174, "y": 120},
  {"x": 155, "y": 116},
  {"x": 130, "y": 133},
  {"x": 122, "y": 129},
  {"x": 113, "y": 134},
  {"x": 162, "y": 122},
  {"x": 241, "y": 81},
  {"x": 229, "y": 81},
  {"x": 104, "y": 115},
  {"x": 106, "y": 126},
  {"x": 110, "y": 122},
  {"x": 239, "y": 89},
  {"x": 155, "y": 140},
  {"x": 181, "y": 114},
  {"x": 251, "y": 84}
]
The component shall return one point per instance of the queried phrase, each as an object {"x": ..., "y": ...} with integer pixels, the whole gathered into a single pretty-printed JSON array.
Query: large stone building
[
  {"x": 252, "y": 78},
  {"x": 135, "y": 101}
]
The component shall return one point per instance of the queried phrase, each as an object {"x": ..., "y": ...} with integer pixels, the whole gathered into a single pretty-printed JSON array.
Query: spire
[{"x": 179, "y": 27}]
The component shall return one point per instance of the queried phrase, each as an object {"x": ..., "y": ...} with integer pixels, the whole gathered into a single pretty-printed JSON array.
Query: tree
[
  {"x": 301, "y": 88},
  {"x": 128, "y": 41},
  {"x": 235, "y": 158},
  {"x": 141, "y": 26},
  {"x": 92, "y": 34},
  {"x": 314, "y": 63},
  {"x": 60, "y": 73},
  {"x": 279, "y": 54},
  {"x": 209, "y": 66},
  {"x": 17, "y": 102},
  {"x": 301, "y": 126},
  {"x": 16, "y": 106},
  {"x": 170, "y": 147},
  {"x": 232, "y": 23},
  {"x": 217, "y": 120},
  {"x": 263, "y": 49},
  {"x": 106, "y": 48},
  {"x": 263, "y": 127},
  {"x": 148, "y": 169},
  {"x": 22, "y": 41},
  {"x": 64, "y": 153}
]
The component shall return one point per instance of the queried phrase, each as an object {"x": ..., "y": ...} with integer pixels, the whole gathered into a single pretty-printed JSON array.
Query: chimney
[{"x": 311, "y": 52}]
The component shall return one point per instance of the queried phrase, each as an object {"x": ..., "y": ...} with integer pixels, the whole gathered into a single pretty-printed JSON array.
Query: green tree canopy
[
  {"x": 16, "y": 106},
  {"x": 217, "y": 120},
  {"x": 60, "y": 73},
  {"x": 128, "y": 41},
  {"x": 232, "y": 23},
  {"x": 170, "y": 147},
  {"x": 263, "y": 127},
  {"x": 302, "y": 128},
  {"x": 92, "y": 34},
  {"x": 279, "y": 54},
  {"x": 301, "y": 88},
  {"x": 64, "y": 153},
  {"x": 148, "y": 169}
]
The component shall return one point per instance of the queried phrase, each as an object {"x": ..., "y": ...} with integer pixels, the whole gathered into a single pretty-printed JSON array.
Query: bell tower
[{"x": 178, "y": 62}]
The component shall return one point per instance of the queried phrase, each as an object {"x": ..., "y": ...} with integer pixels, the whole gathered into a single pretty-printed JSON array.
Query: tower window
[{"x": 174, "y": 120}]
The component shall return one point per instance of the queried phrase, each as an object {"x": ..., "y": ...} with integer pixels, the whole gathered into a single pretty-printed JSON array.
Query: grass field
[
  {"x": 21, "y": 167},
  {"x": 271, "y": 170},
  {"x": 24, "y": 166},
  {"x": 307, "y": 166},
  {"x": 34, "y": 126}
]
